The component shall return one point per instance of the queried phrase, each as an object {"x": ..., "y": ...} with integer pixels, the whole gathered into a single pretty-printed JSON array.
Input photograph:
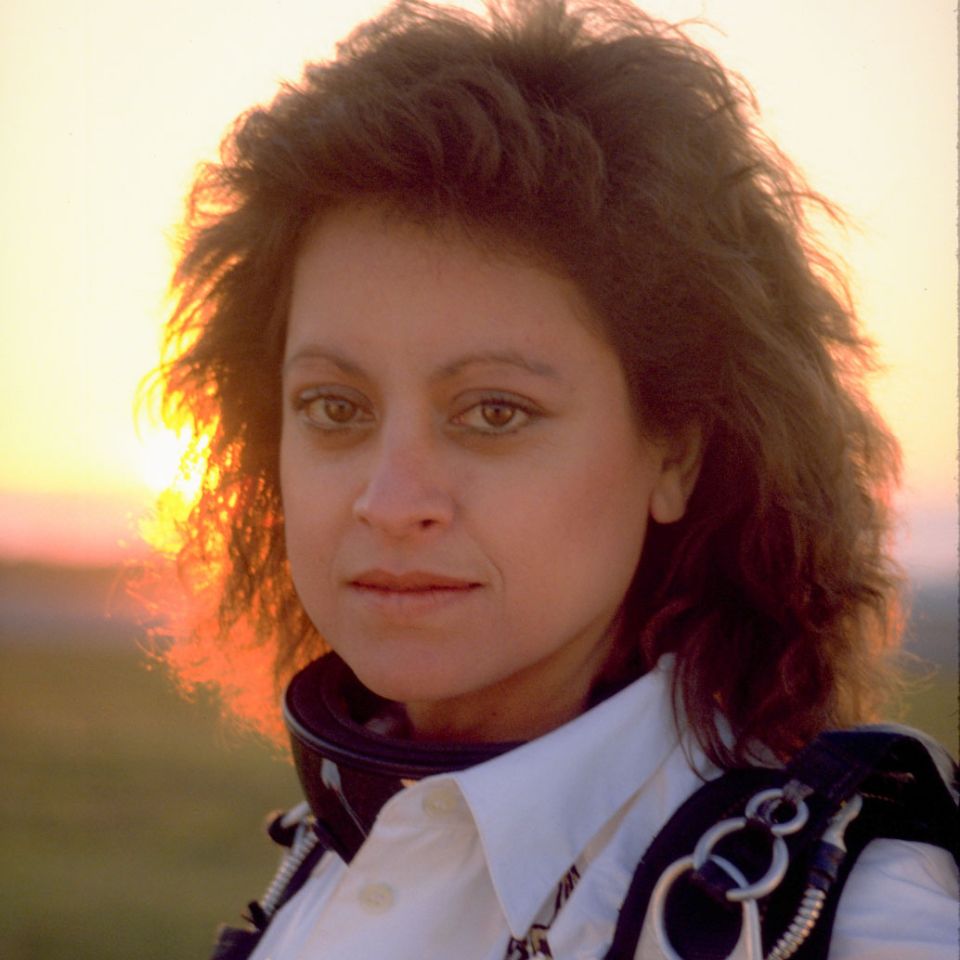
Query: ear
[{"x": 678, "y": 476}]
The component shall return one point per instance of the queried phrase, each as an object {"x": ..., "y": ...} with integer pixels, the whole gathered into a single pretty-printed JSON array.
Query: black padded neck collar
[{"x": 347, "y": 771}]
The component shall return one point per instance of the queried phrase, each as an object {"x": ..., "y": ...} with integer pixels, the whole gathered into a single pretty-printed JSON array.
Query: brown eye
[
  {"x": 497, "y": 415},
  {"x": 338, "y": 410},
  {"x": 332, "y": 411}
]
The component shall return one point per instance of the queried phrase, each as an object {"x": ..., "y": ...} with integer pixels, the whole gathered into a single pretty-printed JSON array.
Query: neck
[{"x": 521, "y": 707}]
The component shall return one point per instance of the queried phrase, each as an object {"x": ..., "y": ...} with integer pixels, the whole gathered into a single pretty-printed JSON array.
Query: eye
[
  {"x": 336, "y": 409},
  {"x": 330, "y": 410},
  {"x": 496, "y": 416}
]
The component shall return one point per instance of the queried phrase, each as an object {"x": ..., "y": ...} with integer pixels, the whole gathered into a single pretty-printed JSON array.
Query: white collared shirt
[{"x": 458, "y": 864}]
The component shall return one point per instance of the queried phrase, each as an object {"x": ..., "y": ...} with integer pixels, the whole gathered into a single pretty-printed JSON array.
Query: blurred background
[{"x": 130, "y": 816}]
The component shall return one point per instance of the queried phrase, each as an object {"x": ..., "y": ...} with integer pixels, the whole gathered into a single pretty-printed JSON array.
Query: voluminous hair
[{"x": 611, "y": 147}]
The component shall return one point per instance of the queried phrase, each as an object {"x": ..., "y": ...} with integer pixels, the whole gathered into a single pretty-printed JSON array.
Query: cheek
[
  {"x": 581, "y": 534},
  {"x": 292, "y": 498},
  {"x": 604, "y": 532},
  {"x": 310, "y": 541},
  {"x": 304, "y": 541},
  {"x": 308, "y": 513}
]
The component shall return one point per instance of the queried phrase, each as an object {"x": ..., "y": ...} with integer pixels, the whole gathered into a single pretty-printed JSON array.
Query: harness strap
[
  {"x": 904, "y": 797},
  {"x": 714, "y": 801}
]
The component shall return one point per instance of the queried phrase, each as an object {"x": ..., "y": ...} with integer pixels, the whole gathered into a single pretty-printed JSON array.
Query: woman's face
[{"x": 464, "y": 487}]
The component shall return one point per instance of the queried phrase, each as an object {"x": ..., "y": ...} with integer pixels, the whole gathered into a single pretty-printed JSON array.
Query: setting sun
[{"x": 161, "y": 453}]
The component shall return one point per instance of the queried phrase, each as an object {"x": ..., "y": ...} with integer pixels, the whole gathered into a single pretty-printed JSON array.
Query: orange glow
[
  {"x": 861, "y": 93},
  {"x": 183, "y": 604},
  {"x": 175, "y": 465}
]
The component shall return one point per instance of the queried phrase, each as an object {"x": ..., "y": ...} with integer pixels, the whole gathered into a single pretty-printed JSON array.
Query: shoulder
[{"x": 901, "y": 900}]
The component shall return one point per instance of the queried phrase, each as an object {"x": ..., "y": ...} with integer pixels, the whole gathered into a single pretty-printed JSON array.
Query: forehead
[{"x": 370, "y": 279}]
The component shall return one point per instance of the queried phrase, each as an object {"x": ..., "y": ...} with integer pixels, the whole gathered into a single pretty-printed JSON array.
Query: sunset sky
[{"x": 109, "y": 104}]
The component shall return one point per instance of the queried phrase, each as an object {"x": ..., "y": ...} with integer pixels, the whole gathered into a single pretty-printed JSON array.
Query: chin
[{"x": 410, "y": 681}]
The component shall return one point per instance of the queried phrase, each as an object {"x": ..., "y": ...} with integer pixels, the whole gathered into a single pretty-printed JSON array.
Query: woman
[{"x": 522, "y": 388}]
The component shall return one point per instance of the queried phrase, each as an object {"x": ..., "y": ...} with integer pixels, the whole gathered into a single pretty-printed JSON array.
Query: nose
[{"x": 405, "y": 493}]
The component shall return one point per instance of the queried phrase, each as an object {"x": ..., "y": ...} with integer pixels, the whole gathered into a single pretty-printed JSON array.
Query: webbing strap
[
  {"x": 905, "y": 798},
  {"x": 714, "y": 801}
]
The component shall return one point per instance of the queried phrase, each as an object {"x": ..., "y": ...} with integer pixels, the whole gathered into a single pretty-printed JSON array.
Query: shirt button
[
  {"x": 377, "y": 897},
  {"x": 441, "y": 801}
]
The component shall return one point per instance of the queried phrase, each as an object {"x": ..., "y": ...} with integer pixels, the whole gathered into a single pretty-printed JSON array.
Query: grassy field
[
  {"x": 130, "y": 826},
  {"x": 131, "y": 823}
]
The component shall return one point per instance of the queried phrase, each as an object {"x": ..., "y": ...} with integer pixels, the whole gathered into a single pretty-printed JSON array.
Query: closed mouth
[{"x": 414, "y": 582}]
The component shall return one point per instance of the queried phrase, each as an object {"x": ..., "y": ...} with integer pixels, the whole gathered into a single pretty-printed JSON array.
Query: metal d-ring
[
  {"x": 752, "y": 948},
  {"x": 779, "y": 861}
]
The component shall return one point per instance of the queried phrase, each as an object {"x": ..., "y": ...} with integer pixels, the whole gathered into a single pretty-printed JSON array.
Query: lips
[
  {"x": 411, "y": 597},
  {"x": 416, "y": 581}
]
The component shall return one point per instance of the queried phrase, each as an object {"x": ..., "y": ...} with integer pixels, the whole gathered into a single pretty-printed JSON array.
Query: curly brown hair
[{"x": 612, "y": 147}]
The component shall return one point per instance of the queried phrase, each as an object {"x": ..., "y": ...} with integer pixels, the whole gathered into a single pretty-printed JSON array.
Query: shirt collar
[{"x": 538, "y": 806}]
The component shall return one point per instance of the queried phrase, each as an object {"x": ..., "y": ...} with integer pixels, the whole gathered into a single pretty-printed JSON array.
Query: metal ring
[
  {"x": 764, "y": 798},
  {"x": 750, "y": 921},
  {"x": 658, "y": 901},
  {"x": 779, "y": 861},
  {"x": 705, "y": 845}
]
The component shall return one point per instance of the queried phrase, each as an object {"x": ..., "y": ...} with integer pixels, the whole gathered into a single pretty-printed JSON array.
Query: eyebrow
[
  {"x": 342, "y": 363},
  {"x": 446, "y": 372},
  {"x": 496, "y": 358}
]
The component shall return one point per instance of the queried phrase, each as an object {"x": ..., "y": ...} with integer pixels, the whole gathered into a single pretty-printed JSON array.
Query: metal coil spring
[
  {"x": 305, "y": 841},
  {"x": 800, "y": 927}
]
